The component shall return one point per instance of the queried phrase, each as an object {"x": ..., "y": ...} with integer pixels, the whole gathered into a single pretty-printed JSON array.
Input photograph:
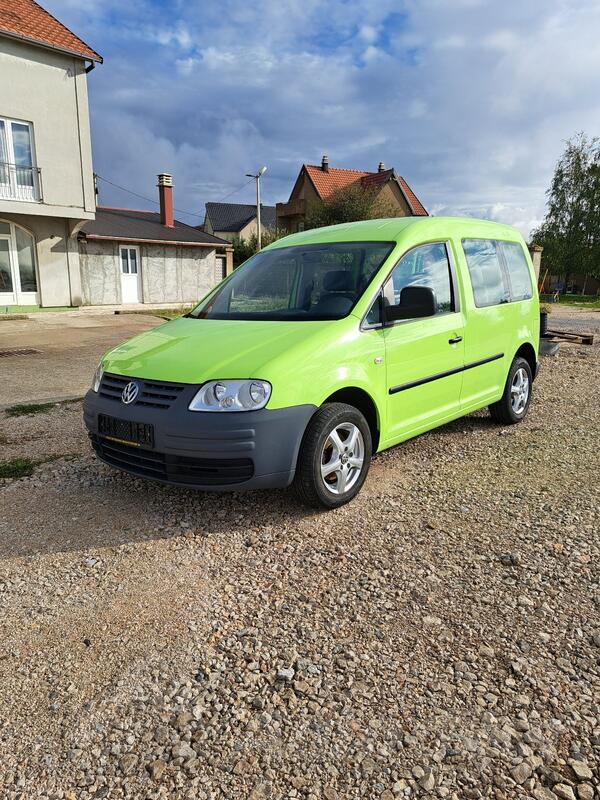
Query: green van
[{"x": 324, "y": 348}]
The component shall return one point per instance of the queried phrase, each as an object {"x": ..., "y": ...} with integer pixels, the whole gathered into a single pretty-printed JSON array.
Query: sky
[{"x": 470, "y": 100}]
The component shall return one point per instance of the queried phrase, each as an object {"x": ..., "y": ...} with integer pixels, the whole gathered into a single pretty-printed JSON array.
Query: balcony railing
[
  {"x": 20, "y": 183},
  {"x": 291, "y": 209}
]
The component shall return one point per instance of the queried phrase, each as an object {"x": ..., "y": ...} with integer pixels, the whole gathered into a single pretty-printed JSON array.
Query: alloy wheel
[
  {"x": 519, "y": 391},
  {"x": 342, "y": 458}
]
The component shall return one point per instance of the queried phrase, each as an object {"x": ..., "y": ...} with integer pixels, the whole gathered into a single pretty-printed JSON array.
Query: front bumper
[{"x": 216, "y": 451}]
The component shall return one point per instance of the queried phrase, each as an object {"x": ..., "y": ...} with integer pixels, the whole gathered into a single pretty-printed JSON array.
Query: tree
[
  {"x": 570, "y": 232},
  {"x": 348, "y": 205},
  {"x": 243, "y": 249}
]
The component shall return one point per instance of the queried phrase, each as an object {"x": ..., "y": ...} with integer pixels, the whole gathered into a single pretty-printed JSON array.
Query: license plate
[{"x": 139, "y": 434}]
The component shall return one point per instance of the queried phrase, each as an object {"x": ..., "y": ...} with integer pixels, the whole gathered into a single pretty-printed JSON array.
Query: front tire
[
  {"x": 334, "y": 458},
  {"x": 514, "y": 403}
]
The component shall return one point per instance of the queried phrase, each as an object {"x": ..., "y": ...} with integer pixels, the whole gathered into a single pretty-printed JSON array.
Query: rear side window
[
  {"x": 488, "y": 279},
  {"x": 518, "y": 271}
]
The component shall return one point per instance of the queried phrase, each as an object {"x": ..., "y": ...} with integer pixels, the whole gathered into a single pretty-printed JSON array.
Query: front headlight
[
  {"x": 232, "y": 396},
  {"x": 97, "y": 377}
]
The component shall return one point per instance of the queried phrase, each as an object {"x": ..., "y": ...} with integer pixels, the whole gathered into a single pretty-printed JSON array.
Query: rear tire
[
  {"x": 514, "y": 403},
  {"x": 334, "y": 458}
]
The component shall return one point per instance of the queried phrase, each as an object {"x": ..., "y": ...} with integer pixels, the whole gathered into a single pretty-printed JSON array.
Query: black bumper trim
[{"x": 229, "y": 451}]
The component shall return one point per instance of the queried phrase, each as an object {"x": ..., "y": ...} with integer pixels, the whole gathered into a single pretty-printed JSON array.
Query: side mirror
[{"x": 415, "y": 302}]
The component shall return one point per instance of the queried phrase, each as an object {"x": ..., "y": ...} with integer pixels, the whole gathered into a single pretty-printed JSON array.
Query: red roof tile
[
  {"x": 25, "y": 19},
  {"x": 327, "y": 183},
  {"x": 418, "y": 208}
]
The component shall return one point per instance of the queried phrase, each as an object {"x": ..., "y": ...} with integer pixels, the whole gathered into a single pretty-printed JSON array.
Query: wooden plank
[{"x": 571, "y": 336}]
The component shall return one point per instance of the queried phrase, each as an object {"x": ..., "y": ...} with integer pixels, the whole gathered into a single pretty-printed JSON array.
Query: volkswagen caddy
[{"x": 326, "y": 347}]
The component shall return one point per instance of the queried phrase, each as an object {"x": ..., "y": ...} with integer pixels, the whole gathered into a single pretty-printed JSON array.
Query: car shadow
[{"x": 81, "y": 505}]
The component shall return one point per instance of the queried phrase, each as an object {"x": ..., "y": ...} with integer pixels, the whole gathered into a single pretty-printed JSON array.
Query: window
[
  {"x": 129, "y": 265},
  {"x": 518, "y": 271},
  {"x": 18, "y": 173},
  {"x": 488, "y": 279},
  {"x": 427, "y": 265},
  {"x": 18, "y": 279},
  {"x": 316, "y": 281},
  {"x": 25, "y": 260}
]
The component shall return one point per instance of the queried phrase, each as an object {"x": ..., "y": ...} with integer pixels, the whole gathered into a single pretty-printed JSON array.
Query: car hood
[{"x": 189, "y": 350}]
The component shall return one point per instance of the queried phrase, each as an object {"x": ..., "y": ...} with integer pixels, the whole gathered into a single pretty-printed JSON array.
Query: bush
[{"x": 243, "y": 249}]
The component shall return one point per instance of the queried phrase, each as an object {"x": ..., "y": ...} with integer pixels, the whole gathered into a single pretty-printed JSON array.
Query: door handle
[{"x": 455, "y": 340}]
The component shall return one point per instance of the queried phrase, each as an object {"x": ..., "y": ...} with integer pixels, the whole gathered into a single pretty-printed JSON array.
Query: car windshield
[{"x": 306, "y": 282}]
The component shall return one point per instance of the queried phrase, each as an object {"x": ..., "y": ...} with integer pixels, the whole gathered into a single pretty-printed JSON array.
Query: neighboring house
[
  {"x": 320, "y": 183},
  {"x": 46, "y": 179},
  {"x": 130, "y": 256},
  {"x": 237, "y": 220}
]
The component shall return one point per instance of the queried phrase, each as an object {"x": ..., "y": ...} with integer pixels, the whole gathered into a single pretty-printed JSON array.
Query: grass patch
[
  {"x": 584, "y": 300},
  {"x": 24, "y": 467},
  {"x": 28, "y": 408},
  {"x": 34, "y": 309},
  {"x": 18, "y": 468},
  {"x": 171, "y": 313}
]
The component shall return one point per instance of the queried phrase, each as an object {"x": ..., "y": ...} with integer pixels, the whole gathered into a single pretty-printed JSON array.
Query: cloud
[{"x": 471, "y": 101}]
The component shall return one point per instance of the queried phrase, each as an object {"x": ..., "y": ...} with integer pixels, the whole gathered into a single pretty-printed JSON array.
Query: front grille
[
  {"x": 168, "y": 467},
  {"x": 156, "y": 394}
]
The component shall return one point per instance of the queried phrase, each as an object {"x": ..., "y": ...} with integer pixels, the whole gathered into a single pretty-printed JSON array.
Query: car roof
[{"x": 400, "y": 228}]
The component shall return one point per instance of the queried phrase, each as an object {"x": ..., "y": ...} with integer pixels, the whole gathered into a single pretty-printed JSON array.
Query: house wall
[
  {"x": 303, "y": 190},
  {"x": 245, "y": 233},
  {"x": 49, "y": 89},
  {"x": 57, "y": 256},
  {"x": 170, "y": 273},
  {"x": 391, "y": 197}
]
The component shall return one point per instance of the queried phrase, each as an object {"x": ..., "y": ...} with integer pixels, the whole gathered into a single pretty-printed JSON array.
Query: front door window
[{"x": 18, "y": 277}]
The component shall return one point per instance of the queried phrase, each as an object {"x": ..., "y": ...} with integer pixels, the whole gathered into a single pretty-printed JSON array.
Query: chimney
[
  {"x": 325, "y": 164},
  {"x": 381, "y": 167},
  {"x": 165, "y": 195}
]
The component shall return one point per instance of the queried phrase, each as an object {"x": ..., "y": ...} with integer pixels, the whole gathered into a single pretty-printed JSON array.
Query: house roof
[
  {"x": 25, "y": 19},
  {"x": 233, "y": 217},
  {"x": 126, "y": 224},
  {"x": 327, "y": 183}
]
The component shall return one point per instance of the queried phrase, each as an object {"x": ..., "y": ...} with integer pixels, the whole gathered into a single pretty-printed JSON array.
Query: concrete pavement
[{"x": 68, "y": 347}]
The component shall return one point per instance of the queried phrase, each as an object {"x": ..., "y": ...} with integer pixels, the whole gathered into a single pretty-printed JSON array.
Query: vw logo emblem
[{"x": 130, "y": 392}]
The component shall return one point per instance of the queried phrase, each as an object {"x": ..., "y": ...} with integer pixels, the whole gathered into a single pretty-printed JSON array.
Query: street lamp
[{"x": 257, "y": 178}]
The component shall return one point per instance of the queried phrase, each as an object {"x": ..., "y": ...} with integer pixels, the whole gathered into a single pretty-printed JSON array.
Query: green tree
[
  {"x": 243, "y": 249},
  {"x": 351, "y": 204},
  {"x": 570, "y": 232}
]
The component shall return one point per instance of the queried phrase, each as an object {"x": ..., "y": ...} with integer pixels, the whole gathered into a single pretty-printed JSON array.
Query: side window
[
  {"x": 485, "y": 269},
  {"x": 518, "y": 271},
  {"x": 426, "y": 265}
]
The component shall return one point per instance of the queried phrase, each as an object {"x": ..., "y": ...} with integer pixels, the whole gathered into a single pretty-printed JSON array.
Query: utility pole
[{"x": 257, "y": 178}]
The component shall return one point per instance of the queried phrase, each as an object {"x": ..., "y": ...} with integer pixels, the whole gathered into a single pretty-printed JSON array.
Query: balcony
[
  {"x": 291, "y": 209},
  {"x": 20, "y": 183}
]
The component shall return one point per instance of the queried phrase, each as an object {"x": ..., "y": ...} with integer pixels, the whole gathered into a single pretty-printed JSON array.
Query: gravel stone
[
  {"x": 436, "y": 637},
  {"x": 581, "y": 770},
  {"x": 585, "y": 791},
  {"x": 564, "y": 791}
]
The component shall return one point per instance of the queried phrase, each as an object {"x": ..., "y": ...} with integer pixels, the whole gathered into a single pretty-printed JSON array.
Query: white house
[{"x": 46, "y": 177}]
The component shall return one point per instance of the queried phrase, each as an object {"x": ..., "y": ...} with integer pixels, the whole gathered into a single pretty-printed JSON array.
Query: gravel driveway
[{"x": 440, "y": 636}]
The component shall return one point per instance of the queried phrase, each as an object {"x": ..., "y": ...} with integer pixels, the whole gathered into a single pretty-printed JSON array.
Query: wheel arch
[
  {"x": 362, "y": 400},
  {"x": 527, "y": 351}
]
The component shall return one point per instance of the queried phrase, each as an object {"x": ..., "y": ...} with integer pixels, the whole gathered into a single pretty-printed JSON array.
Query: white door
[
  {"x": 131, "y": 278},
  {"x": 18, "y": 275}
]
